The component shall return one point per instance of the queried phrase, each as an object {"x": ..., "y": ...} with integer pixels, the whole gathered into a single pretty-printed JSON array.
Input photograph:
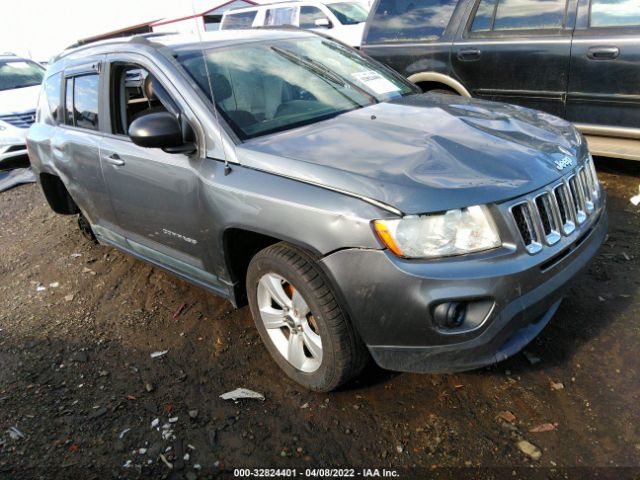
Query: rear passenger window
[
  {"x": 238, "y": 21},
  {"x": 410, "y": 21},
  {"x": 85, "y": 101},
  {"x": 505, "y": 15},
  {"x": 82, "y": 101},
  {"x": 280, "y": 16},
  {"x": 615, "y": 13}
]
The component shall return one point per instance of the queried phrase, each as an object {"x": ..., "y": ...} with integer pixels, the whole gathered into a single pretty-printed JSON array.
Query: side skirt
[{"x": 164, "y": 262}]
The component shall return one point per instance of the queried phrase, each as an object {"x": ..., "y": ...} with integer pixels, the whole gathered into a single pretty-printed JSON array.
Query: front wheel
[{"x": 300, "y": 320}]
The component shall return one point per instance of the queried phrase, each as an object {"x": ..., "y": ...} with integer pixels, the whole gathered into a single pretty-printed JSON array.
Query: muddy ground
[{"x": 78, "y": 384}]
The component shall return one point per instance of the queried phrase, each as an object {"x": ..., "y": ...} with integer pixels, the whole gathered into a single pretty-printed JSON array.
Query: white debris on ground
[
  {"x": 529, "y": 449},
  {"x": 636, "y": 198},
  {"x": 171, "y": 455},
  {"x": 240, "y": 393},
  {"x": 15, "y": 434},
  {"x": 160, "y": 353}
]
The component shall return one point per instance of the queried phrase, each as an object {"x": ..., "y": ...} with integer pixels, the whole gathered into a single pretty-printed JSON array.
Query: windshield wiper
[
  {"x": 309, "y": 65},
  {"x": 323, "y": 71},
  {"x": 353, "y": 85}
]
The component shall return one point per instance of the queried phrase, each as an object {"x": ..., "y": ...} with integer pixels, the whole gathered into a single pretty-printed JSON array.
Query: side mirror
[
  {"x": 323, "y": 23},
  {"x": 159, "y": 130}
]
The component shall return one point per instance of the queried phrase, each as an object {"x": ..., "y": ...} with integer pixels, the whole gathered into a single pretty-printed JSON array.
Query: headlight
[{"x": 454, "y": 232}]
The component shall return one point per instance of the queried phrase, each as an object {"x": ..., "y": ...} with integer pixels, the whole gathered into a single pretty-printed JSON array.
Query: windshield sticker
[{"x": 375, "y": 82}]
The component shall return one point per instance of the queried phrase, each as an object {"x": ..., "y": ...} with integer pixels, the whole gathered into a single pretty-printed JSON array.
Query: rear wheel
[
  {"x": 443, "y": 91},
  {"x": 300, "y": 320},
  {"x": 85, "y": 228}
]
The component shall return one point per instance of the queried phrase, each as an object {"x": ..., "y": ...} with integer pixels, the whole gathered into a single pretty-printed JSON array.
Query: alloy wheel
[{"x": 289, "y": 322}]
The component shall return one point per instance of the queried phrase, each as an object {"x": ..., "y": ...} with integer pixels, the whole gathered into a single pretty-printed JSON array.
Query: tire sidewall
[{"x": 324, "y": 377}]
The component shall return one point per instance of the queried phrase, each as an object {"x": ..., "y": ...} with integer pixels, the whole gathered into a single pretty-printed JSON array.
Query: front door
[
  {"x": 604, "y": 88},
  {"x": 517, "y": 51},
  {"x": 155, "y": 194}
]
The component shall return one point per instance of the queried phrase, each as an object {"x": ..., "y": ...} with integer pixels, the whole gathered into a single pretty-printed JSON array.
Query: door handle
[
  {"x": 603, "y": 53},
  {"x": 114, "y": 159},
  {"x": 469, "y": 54}
]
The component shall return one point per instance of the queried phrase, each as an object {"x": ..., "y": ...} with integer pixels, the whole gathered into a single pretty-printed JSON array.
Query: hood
[
  {"x": 19, "y": 100},
  {"x": 425, "y": 153}
]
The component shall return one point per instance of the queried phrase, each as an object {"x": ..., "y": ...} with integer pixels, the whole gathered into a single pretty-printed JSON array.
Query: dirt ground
[{"x": 79, "y": 391}]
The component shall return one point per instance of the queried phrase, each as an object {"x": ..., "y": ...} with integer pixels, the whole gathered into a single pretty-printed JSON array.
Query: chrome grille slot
[
  {"x": 20, "y": 120},
  {"x": 587, "y": 191},
  {"x": 565, "y": 209},
  {"x": 593, "y": 179},
  {"x": 548, "y": 218},
  {"x": 526, "y": 226},
  {"x": 577, "y": 198}
]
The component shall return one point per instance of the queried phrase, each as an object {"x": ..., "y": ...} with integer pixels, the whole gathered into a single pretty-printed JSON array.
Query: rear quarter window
[
  {"x": 49, "y": 106},
  {"x": 238, "y": 21},
  {"x": 410, "y": 20}
]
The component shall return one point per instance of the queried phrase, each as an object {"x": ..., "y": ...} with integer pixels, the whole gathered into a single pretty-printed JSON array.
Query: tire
[
  {"x": 85, "y": 228},
  {"x": 341, "y": 354},
  {"x": 443, "y": 91}
]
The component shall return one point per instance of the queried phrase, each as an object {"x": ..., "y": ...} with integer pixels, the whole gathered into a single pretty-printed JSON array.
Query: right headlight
[{"x": 455, "y": 232}]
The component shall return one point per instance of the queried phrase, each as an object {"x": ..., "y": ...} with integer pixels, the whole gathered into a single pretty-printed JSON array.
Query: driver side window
[
  {"x": 135, "y": 92},
  {"x": 309, "y": 15}
]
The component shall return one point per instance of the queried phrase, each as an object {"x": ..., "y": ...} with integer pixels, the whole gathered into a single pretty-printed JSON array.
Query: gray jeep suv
[{"x": 355, "y": 215}]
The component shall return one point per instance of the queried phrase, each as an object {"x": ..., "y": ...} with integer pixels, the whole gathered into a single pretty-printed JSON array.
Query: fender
[{"x": 440, "y": 78}]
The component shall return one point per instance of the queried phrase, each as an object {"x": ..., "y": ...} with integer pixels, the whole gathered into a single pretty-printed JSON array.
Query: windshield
[
  {"x": 265, "y": 87},
  {"x": 19, "y": 74},
  {"x": 348, "y": 13}
]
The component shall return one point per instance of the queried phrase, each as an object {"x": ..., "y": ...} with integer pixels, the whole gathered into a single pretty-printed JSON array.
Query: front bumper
[
  {"x": 13, "y": 150},
  {"x": 391, "y": 300}
]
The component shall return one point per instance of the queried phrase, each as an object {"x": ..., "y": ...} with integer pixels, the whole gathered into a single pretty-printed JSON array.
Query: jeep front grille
[
  {"x": 20, "y": 120},
  {"x": 544, "y": 218}
]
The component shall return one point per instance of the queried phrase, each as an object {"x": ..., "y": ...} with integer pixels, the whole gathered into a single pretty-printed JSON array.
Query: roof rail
[
  {"x": 136, "y": 38},
  {"x": 8, "y": 54}
]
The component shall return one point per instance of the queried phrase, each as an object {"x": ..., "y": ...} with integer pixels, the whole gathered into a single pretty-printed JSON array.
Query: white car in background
[
  {"x": 343, "y": 20},
  {"x": 20, "y": 81}
]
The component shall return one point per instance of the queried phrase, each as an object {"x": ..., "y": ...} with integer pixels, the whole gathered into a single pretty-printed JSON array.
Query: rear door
[
  {"x": 604, "y": 88},
  {"x": 412, "y": 37},
  {"x": 517, "y": 51},
  {"x": 77, "y": 140}
]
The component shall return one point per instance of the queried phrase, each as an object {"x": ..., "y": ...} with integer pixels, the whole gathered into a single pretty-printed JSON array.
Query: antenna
[{"x": 227, "y": 167}]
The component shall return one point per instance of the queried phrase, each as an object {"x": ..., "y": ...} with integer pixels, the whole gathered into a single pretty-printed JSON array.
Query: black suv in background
[{"x": 577, "y": 59}]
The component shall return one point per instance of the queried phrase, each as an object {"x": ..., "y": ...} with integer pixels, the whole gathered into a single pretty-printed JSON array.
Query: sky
[{"x": 41, "y": 28}]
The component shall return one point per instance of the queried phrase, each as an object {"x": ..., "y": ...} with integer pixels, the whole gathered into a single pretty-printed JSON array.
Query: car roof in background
[
  {"x": 224, "y": 38},
  {"x": 285, "y": 3}
]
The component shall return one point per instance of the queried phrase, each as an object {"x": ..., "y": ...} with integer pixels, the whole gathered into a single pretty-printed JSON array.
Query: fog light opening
[{"x": 450, "y": 314}]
